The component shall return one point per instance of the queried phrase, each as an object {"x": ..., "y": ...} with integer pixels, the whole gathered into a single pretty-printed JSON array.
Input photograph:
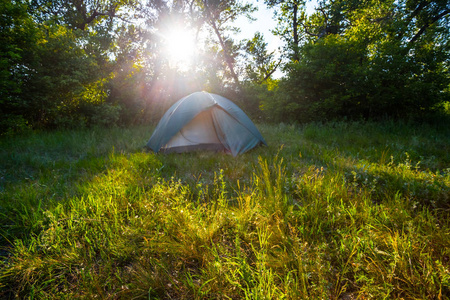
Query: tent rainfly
[{"x": 204, "y": 121}]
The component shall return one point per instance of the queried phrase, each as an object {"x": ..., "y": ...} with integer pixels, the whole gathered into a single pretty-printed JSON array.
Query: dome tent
[{"x": 205, "y": 121}]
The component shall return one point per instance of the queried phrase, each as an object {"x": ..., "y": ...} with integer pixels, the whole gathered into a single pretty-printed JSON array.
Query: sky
[{"x": 264, "y": 23}]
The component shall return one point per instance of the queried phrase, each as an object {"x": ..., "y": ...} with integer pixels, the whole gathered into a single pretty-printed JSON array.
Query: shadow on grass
[{"x": 42, "y": 170}]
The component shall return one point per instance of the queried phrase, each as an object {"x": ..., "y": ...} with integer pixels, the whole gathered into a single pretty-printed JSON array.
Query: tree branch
[
  {"x": 428, "y": 24},
  {"x": 271, "y": 72},
  {"x": 305, "y": 27}
]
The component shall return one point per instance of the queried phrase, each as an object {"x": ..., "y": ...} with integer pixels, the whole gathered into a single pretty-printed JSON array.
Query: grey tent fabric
[{"x": 205, "y": 121}]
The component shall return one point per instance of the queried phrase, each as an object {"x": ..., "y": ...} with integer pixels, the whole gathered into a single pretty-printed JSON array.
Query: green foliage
[
  {"x": 62, "y": 82},
  {"x": 261, "y": 64},
  {"x": 66, "y": 64},
  {"x": 252, "y": 95},
  {"x": 83, "y": 15},
  {"x": 55, "y": 73},
  {"x": 342, "y": 210},
  {"x": 17, "y": 41},
  {"x": 368, "y": 60}
]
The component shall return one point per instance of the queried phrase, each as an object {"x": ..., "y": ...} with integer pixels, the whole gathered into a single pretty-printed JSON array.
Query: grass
[{"x": 337, "y": 211}]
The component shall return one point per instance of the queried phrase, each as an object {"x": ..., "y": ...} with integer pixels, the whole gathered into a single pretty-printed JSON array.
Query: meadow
[{"x": 343, "y": 210}]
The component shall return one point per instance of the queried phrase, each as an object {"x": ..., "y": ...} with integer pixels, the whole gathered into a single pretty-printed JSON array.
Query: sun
[{"x": 180, "y": 47}]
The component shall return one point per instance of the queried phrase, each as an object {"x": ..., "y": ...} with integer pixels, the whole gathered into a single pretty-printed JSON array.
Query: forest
[{"x": 84, "y": 63}]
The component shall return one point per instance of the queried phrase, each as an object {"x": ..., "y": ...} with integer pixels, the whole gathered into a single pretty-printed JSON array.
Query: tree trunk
[
  {"x": 228, "y": 58},
  {"x": 295, "y": 31}
]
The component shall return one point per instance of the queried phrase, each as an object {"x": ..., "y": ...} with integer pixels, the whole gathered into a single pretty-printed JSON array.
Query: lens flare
[{"x": 181, "y": 47}]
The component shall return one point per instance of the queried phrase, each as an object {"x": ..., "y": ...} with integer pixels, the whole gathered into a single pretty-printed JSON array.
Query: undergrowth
[{"x": 326, "y": 211}]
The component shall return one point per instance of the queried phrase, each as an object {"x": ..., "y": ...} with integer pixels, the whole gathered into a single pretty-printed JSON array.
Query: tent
[{"x": 205, "y": 121}]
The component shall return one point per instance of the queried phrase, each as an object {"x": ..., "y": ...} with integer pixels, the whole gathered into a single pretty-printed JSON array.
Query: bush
[{"x": 11, "y": 124}]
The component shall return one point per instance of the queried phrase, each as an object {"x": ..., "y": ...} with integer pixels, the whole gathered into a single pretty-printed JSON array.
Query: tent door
[{"x": 199, "y": 133}]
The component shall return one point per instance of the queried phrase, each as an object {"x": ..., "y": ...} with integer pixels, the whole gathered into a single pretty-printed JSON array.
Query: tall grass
[{"x": 335, "y": 211}]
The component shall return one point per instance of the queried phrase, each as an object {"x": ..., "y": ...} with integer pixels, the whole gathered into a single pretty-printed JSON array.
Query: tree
[
  {"x": 56, "y": 58},
  {"x": 370, "y": 59},
  {"x": 289, "y": 14},
  {"x": 261, "y": 64},
  {"x": 18, "y": 37},
  {"x": 79, "y": 14},
  {"x": 218, "y": 14},
  {"x": 422, "y": 15}
]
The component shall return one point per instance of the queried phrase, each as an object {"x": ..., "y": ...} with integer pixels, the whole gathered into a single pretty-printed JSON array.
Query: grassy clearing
[{"x": 336, "y": 211}]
